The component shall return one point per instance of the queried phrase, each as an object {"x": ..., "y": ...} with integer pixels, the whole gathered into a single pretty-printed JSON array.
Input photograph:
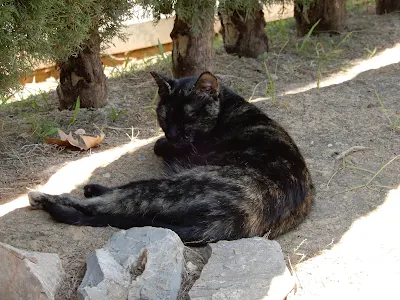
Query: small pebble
[
  {"x": 142, "y": 157},
  {"x": 329, "y": 145},
  {"x": 107, "y": 175}
]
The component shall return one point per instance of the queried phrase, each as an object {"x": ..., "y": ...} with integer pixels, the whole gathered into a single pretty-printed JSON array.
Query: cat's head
[{"x": 188, "y": 108}]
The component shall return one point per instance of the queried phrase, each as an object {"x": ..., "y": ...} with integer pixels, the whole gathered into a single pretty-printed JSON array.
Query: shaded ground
[{"x": 332, "y": 252}]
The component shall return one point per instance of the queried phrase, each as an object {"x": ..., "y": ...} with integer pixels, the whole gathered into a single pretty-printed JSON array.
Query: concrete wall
[{"x": 146, "y": 34}]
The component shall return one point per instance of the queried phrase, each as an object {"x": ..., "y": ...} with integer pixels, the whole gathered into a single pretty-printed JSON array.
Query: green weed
[
  {"x": 40, "y": 128},
  {"x": 270, "y": 85},
  {"x": 307, "y": 37},
  {"x": 281, "y": 30},
  {"x": 161, "y": 49},
  {"x": 153, "y": 104},
  {"x": 76, "y": 111},
  {"x": 115, "y": 115},
  {"x": 394, "y": 124},
  {"x": 371, "y": 53}
]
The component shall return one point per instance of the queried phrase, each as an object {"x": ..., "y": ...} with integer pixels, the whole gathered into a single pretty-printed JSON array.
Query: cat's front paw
[
  {"x": 36, "y": 199},
  {"x": 161, "y": 147},
  {"x": 93, "y": 190}
]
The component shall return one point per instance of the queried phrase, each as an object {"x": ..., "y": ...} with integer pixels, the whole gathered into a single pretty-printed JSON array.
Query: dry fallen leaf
[
  {"x": 91, "y": 141},
  {"x": 68, "y": 141}
]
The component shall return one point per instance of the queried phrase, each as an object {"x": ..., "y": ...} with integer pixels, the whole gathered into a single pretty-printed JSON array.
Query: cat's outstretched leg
[
  {"x": 184, "y": 204},
  {"x": 89, "y": 207},
  {"x": 93, "y": 190}
]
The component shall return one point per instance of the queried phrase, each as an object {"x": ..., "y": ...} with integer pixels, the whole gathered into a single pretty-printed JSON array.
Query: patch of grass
[
  {"x": 4, "y": 100},
  {"x": 44, "y": 96},
  {"x": 218, "y": 43},
  {"x": 358, "y": 6},
  {"x": 324, "y": 52},
  {"x": 115, "y": 115},
  {"x": 152, "y": 107},
  {"x": 40, "y": 128},
  {"x": 394, "y": 124},
  {"x": 281, "y": 30}
]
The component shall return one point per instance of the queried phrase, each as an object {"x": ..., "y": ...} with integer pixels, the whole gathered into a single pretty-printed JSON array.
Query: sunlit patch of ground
[
  {"x": 364, "y": 264},
  {"x": 387, "y": 57},
  {"x": 75, "y": 173}
]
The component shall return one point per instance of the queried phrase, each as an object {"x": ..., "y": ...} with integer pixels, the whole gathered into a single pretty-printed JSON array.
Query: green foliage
[
  {"x": 270, "y": 85},
  {"x": 358, "y": 6},
  {"x": 40, "y": 128},
  {"x": 189, "y": 10},
  {"x": 281, "y": 30},
  {"x": 371, "y": 53},
  {"x": 115, "y": 115},
  {"x": 76, "y": 111},
  {"x": 47, "y": 30},
  {"x": 305, "y": 40}
]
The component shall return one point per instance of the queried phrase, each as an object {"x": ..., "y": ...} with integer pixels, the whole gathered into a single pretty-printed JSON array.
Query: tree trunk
[
  {"x": 387, "y": 6},
  {"x": 82, "y": 76},
  {"x": 332, "y": 14},
  {"x": 244, "y": 37},
  {"x": 192, "y": 53}
]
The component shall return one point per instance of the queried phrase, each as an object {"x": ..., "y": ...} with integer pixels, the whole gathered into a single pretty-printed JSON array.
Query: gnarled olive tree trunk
[
  {"x": 82, "y": 76},
  {"x": 244, "y": 36},
  {"x": 192, "y": 52},
  {"x": 387, "y": 6},
  {"x": 332, "y": 14}
]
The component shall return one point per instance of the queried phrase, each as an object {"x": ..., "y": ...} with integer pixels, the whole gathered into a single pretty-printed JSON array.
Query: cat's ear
[
  {"x": 165, "y": 84},
  {"x": 207, "y": 83}
]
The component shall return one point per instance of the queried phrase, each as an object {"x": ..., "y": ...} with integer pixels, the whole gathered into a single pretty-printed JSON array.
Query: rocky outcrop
[{"x": 28, "y": 275}]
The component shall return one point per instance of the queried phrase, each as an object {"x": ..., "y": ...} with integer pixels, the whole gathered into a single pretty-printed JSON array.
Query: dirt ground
[{"x": 348, "y": 245}]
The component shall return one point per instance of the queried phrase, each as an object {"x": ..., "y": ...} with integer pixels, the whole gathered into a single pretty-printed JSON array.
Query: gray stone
[
  {"x": 139, "y": 263},
  {"x": 28, "y": 275},
  {"x": 251, "y": 269}
]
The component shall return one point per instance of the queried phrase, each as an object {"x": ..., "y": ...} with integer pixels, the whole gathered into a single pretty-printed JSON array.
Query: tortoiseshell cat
[{"x": 235, "y": 173}]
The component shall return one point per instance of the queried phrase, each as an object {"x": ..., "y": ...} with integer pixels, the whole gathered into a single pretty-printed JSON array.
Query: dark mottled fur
[{"x": 234, "y": 172}]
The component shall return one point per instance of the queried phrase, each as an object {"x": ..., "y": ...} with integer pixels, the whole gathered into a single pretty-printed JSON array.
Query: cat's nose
[{"x": 172, "y": 133}]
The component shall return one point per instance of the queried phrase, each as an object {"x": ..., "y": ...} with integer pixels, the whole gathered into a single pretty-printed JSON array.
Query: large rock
[
  {"x": 139, "y": 263},
  {"x": 28, "y": 275},
  {"x": 250, "y": 269}
]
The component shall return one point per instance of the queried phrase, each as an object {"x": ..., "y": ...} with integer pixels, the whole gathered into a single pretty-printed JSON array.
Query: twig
[
  {"x": 254, "y": 90},
  {"x": 333, "y": 175},
  {"x": 367, "y": 184},
  {"x": 229, "y": 76},
  {"x": 350, "y": 166},
  {"x": 279, "y": 54},
  {"x": 351, "y": 151},
  {"x": 342, "y": 156},
  {"x": 382, "y": 168},
  {"x": 293, "y": 271}
]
